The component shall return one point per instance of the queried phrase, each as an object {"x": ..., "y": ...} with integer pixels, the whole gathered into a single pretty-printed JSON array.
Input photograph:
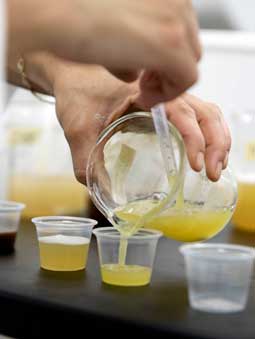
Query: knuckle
[
  {"x": 80, "y": 175},
  {"x": 219, "y": 145},
  {"x": 198, "y": 140},
  {"x": 211, "y": 114},
  {"x": 179, "y": 112},
  {"x": 214, "y": 109},
  {"x": 190, "y": 78}
]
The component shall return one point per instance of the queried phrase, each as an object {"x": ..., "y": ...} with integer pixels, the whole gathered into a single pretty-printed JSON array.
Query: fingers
[
  {"x": 183, "y": 117},
  {"x": 216, "y": 135},
  {"x": 227, "y": 141}
]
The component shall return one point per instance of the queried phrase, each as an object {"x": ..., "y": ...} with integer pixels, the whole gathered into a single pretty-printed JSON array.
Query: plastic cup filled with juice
[
  {"x": 126, "y": 261},
  {"x": 219, "y": 276},
  {"x": 10, "y": 213},
  {"x": 63, "y": 242}
]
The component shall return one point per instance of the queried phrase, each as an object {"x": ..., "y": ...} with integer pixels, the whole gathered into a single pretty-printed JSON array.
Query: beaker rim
[
  {"x": 147, "y": 233},
  {"x": 64, "y": 222},
  {"x": 11, "y": 206},
  {"x": 241, "y": 251}
]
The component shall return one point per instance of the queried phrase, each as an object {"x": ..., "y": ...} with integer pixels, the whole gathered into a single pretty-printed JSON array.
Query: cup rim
[
  {"x": 153, "y": 233},
  {"x": 57, "y": 222},
  {"x": 11, "y": 206},
  {"x": 244, "y": 251}
]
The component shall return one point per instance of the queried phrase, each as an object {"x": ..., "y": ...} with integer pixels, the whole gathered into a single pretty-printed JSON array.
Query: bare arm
[{"x": 122, "y": 35}]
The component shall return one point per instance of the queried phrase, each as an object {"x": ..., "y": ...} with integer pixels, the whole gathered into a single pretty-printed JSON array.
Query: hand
[
  {"x": 89, "y": 98},
  {"x": 124, "y": 35},
  {"x": 205, "y": 133}
]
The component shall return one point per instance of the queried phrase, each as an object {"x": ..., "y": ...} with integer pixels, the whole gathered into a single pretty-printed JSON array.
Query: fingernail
[
  {"x": 225, "y": 162},
  {"x": 200, "y": 161},
  {"x": 218, "y": 169}
]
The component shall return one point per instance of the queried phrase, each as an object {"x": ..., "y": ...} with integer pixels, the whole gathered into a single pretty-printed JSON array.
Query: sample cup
[
  {"x": 219, "y": 276},
  {"x": 10, "y": 212},
  {"x": 135, "y": 268},
  {"x": 63, "y": 242}
]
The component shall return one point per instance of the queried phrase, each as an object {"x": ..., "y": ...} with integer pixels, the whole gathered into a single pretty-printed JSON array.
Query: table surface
[{"x": 37, "y": 303}]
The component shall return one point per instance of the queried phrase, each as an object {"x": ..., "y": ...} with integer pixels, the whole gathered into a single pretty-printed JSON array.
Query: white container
[
  {"x": 4, "y": 163},
  {"x": 227, "y": 69}
]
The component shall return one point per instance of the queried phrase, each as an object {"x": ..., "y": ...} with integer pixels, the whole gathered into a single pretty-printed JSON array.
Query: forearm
[
  {"x": 59, "y": 27},
  {"x": 33, "y": 26}
]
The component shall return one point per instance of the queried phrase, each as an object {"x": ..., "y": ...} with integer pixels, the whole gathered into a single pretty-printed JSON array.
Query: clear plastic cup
[
  {"x": 126, "y": 261},
  {"x": 218, "y": 275},
  {"x": 10, "y": 212},
  {"x": 63, "y": 242}
]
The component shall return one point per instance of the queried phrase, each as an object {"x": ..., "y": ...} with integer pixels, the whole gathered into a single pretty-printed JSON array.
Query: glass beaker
[
  {"x": 128, "y": 183},
  {"x": 243, "y": 159}
]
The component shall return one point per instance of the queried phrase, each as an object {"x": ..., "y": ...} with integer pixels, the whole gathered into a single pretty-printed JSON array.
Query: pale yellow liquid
[
  {"x": 182, "y": 222},
  {"x": 46, "y": 195},
  {"x": 244, "y": 216},
  {"x": 125, "y": 275},
  {"x": 63, "y": 253}
]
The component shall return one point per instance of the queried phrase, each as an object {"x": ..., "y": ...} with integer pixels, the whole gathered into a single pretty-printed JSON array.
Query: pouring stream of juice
[{"x": 166, "y": 147}]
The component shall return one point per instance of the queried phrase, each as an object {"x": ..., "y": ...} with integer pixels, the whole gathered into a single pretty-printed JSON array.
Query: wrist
[{"x": 41, "y": 70}]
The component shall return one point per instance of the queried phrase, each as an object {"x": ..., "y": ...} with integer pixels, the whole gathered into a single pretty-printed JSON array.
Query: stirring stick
[
  {"x": 167, "y": 152},
  {"x": 166, "y": 146}
]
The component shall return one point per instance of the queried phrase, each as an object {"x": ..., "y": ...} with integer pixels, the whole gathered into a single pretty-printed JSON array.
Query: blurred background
[{"x": 35, "y": 159}]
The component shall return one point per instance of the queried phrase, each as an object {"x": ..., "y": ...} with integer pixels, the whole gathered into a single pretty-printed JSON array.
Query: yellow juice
[
  {"x": 46, "y": 195},
  {"x": 183, "y": 222},
  {"x": 123, "y": 250},
  {"x": 244, "y": 216},
  {"x": 63, "y": 253},
  {"x": 125, "y": 275}
]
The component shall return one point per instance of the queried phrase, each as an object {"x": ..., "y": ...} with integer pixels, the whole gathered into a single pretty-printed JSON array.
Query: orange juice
[
  {"x": 48, "y": 195},
  {"x": 63, "y": 253},
  {"x": 125, "y": 275},
  {"x": 183, "y": 222},
  {"x": 244, "y": 216}
]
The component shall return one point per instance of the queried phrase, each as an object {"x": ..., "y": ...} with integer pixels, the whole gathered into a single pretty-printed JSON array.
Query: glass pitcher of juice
[
  {"x": 243, "y": 159},
  {"x": 128, "y": 182},
  {"x": 41, "y": 173}
]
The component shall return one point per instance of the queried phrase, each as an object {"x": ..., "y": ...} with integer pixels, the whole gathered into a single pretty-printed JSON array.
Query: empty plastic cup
[
  {"x": 63, "y": 242},
  {"x": 218, "y": 275},
  {"x": 126, "y": 261},
  {"x": 10, "y": 212}
]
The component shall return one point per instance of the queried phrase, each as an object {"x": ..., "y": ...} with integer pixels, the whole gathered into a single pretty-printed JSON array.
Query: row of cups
[{"x": 218, "y": 275}]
